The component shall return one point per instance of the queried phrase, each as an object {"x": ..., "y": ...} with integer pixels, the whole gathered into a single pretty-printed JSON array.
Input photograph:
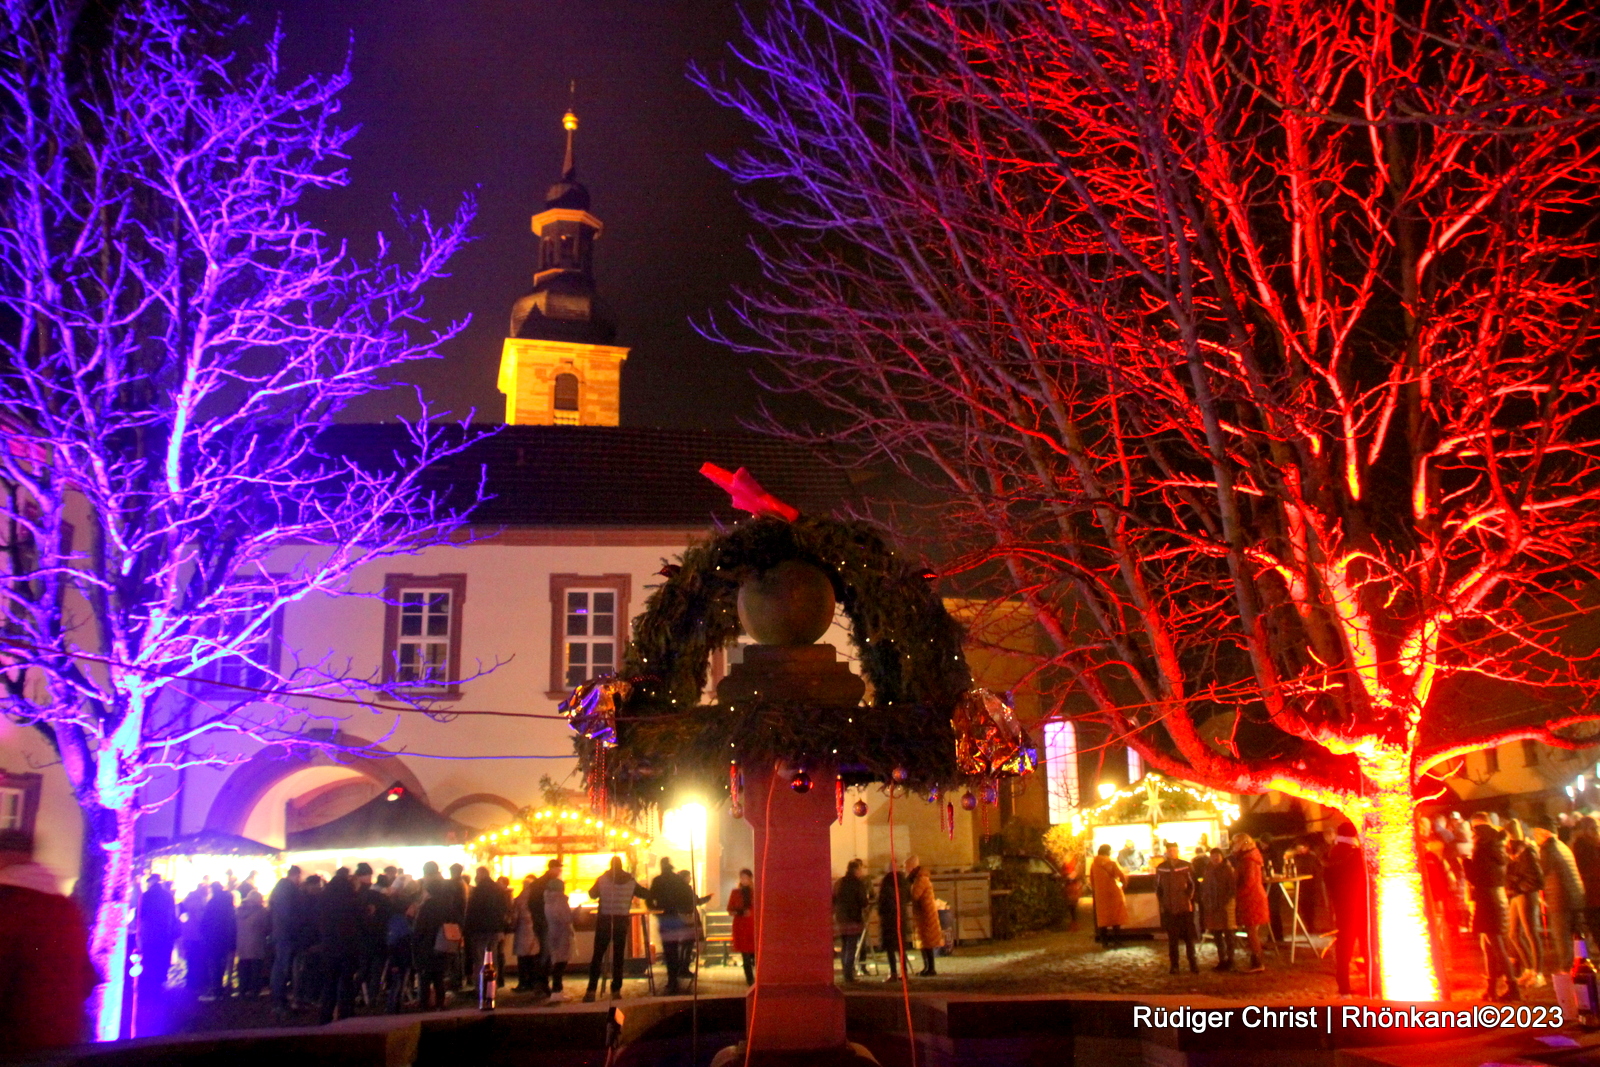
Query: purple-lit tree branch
[{"x": 175, "y": 338}]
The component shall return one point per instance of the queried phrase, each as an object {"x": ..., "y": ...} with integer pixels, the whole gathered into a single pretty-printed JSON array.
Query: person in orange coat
[
  {"x": 1250, "y": 896},
  {"x": 1106, "y": 879},
  {"x": 45, "y": 972},
  {"x": 742, "y": 906},
  {"x": 925, "y": 911}
]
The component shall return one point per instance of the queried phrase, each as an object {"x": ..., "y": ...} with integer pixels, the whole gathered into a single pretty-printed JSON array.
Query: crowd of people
[
  {"x": 390, "y": 941},
  {"x": 1230, "y": 894},
  {"x": 1528, "y": 894},
  {"x": 906, "y": 908},
  {"x": 1525, "y": 895}
]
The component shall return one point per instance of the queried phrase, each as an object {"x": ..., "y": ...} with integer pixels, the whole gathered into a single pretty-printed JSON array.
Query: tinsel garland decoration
[
  {"x": 591, "y": 709},
  {"x": 908, "y": 647},
  {"x": 838, "y": 800},
  {"x": 989, "y": 739}
]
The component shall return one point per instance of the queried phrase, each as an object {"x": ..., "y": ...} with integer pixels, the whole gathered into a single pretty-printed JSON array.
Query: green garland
[{"x": 910, "y": 651}]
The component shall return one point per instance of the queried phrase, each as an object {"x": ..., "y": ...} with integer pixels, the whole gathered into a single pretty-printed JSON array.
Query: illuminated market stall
[
  {"x": 1154, "y": 810},
  {"x": 584, "y": 843},
  {"x": 219, "y": 857}
]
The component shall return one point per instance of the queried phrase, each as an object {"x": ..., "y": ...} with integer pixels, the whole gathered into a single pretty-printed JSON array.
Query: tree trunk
[
  {"x": 1405, "y": 953},
  {"x": 106, "y": 890}
]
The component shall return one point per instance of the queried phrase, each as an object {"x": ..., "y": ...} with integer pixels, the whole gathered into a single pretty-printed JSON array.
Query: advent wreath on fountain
[{"x": 643, "y": 734}]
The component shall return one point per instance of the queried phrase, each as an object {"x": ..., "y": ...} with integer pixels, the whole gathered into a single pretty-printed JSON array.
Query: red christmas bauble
[
  {"x": 801, "y": 782},
  {"x": 860, "y": 809},
  {"x": 900, "y": 774},
  {"x": 968, "y": 802}
]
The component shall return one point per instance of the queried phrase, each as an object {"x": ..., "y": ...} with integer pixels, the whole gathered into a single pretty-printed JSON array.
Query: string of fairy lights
[{"x": 534, "y": 825}]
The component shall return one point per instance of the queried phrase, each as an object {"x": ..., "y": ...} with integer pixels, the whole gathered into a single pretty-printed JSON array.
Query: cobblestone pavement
[{"x": 1049, "y": 962}]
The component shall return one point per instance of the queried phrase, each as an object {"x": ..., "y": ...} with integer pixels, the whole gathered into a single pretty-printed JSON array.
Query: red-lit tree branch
[
  {"x": 1253, "y": 343},
  {"x": 175, "y": 342}
]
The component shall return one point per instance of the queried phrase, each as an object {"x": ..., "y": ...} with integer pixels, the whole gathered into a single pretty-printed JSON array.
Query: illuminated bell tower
[{"x": 558, "y": 366}]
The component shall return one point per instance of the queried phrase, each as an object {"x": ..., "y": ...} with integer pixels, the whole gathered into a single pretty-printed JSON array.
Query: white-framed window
[
  {"x": 422, "y": 630},
  {"x": 13, "y": 808},
  {"x": 422, "y": 653},
  {"x": 1061, "y": 769},
  {"x": 590, "y": 628}
]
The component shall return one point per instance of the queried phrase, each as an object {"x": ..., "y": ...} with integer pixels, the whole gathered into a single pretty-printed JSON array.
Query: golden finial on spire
[{"x": 569, "y": 122}]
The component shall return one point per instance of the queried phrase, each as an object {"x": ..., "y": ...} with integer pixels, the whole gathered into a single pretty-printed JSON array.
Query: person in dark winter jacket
[
  {"x": 1345, "y": 871},
  {"x": 1585, "y": 845},
  {"x": 220, "y": 935},
  {"x": 283, "y": 908},
  {"x": 1216, "y": 907},
  {"x": 671, "y": 896},
  {"x": 539, "y": 963},
  {"x": 1175, "y": 893},
  {"x": 440, "y": 907},
  {"x": 1486, "y": 875},
  {"x": 851, "y": 896},
  {"x": 158, "y": 932},
  {"x": 487, "y": 909},
  {"x": 1524, "y": 881},
  {"x": 1563, "y": 895},
  {"x": 339, "y": 933},
  {"x": 894, "y": 919}
]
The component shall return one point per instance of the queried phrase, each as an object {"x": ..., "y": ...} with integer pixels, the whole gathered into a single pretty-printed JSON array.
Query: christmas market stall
[
  {"x": 1145, "y": 815},
  {"x": 212, "y": 855},
  {"x": 394, "y": 828},
  {"x": 584, "y": 843}
]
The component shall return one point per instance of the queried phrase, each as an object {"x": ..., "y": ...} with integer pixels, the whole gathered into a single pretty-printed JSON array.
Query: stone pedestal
[{"x": 794, "y": 1013}]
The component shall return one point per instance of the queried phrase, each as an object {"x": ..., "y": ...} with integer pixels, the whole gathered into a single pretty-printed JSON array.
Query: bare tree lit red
[{"x": 1254, "y": 345}]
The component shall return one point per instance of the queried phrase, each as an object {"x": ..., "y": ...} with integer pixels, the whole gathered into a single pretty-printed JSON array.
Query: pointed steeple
[{"x": 558, "y": 364}]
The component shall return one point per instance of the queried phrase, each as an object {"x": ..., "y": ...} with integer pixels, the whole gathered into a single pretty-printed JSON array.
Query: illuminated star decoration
[
  {"x": 989, "y": 739},
  {"x": 747, "y": 493}
]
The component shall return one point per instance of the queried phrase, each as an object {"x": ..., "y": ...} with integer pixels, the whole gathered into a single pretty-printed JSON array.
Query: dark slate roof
[
  {"x": 611, "y": 476},
  {"x": 211, "y": 843},
  {"x": 393, "y": 817}
]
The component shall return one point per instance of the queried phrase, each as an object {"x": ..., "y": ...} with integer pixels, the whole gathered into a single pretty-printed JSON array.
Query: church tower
[{"x": 558, "y": 366}]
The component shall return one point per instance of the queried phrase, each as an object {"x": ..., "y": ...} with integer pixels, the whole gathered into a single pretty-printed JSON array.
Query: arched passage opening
[{"x": 279, "y": 785}]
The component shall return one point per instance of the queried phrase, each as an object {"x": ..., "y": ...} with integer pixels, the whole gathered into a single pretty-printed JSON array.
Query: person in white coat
[{"x": 558, "y": 932}]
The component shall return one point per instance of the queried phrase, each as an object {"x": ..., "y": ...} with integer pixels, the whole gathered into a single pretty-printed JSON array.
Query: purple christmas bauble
[
  {"x": 860, "y": 809},
  {"x": 991, "y": 794},
  {"x": 968, "y": 802},
  {"x": 900, "y": 774},
  {"x": 801, "y": 782}
]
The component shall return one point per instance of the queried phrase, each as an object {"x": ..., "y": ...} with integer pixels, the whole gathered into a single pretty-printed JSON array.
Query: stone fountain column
[{"x": 794, "y": 1014}]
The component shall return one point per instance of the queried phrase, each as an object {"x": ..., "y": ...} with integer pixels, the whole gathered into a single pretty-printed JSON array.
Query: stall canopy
[
  {"x": 211, "y": 843},
  {"x": 394, "y": 817}
]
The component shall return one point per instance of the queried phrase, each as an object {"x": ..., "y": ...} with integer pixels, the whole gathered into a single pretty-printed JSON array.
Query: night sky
[{"x": 457, "y": 96}]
